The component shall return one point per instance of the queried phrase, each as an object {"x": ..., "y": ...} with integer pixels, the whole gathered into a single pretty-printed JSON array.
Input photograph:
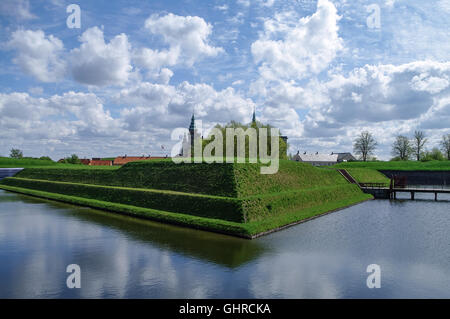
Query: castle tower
[
  {"x": 192, "y": 130},
  {"x": 254, "y": 115}
]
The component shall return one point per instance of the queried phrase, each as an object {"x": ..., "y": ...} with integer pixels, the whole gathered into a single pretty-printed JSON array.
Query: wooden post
[
  {"x": 412, "y": 195},
  {"x": 391, "y": 186},
  {"x": 435, "y": 196}
]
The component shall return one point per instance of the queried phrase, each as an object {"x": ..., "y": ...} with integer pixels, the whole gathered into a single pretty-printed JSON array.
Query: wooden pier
[
  {"x": 397, "y": 185},
  {"x": 380, "y": 190}
]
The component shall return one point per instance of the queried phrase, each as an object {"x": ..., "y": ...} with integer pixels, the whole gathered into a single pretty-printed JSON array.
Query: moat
[{"x": 121, "y": 257}]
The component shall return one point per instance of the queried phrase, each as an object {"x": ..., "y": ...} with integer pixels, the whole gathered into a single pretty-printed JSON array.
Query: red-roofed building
[
  {"x": 98, "y": 162},
  {"x": 122, "y": 160},
  {"x": 85, "y": 161}
]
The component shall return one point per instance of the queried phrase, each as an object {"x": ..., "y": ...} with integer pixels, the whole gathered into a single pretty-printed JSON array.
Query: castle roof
[{"x": 192, "y": 126}]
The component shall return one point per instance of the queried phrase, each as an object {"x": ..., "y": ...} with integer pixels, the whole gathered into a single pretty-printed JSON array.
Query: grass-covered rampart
[
  {"x": 230, "y": 198},
  {"x": 221, "y": 179},
  {"x": 398, "y": 165},
  {"x": 367, "y": 175},
  {"x": 225, "y": 208}
]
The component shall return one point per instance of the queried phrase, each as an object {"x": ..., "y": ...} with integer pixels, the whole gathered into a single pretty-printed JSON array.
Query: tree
[
  {"x": 445, "y": 145},
  {"x": 418, "y": 143},
  {"x": 434, "y": 155},
  {"x": 282, "y": 146},
  {"x": 16, "y": 153},
  {"x": 401, "y": 148},
  {"x": 73, "y": 159},
  {"x": 364, "y": 145}
]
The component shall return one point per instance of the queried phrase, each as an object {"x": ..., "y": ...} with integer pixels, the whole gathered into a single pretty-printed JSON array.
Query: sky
[{"x": 322, "y": 71}]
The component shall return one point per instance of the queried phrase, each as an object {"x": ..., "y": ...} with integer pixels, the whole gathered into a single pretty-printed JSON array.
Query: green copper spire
[
  {"x": 254, "y": 116},
  {"x": 192, "y": 126}
]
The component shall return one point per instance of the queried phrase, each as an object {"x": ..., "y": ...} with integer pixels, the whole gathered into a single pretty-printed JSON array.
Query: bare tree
[
  {"x": 445, "y": 145},
  {"x": 364, "y": 145},
  {"x": 401, "y": 148},
  {"x": 418, "y": 143}
]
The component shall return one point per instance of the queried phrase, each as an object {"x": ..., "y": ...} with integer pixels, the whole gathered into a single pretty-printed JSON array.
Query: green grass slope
[
  {"x": 6, "y": 162},
  {"x": 367, "y": 175},
  {"x": 221, "y": 179},
  {"x": 399, "y": 165},
  {"x": 231, "y": 193}
]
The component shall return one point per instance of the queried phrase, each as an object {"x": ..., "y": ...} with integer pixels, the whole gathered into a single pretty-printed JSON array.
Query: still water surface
[{"x": 121, "y": 257}]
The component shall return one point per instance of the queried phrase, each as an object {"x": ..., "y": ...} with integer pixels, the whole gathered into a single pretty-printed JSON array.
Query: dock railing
[{"x": 373, "y": 185}]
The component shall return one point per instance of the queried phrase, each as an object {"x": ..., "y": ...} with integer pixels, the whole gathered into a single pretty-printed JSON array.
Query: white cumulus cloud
[
  {"x": 38, "y": 55},
  {"x": 99, "y": 63},
  {"x": 187, "y": 39},
  {"x": 291, "y": 48}
]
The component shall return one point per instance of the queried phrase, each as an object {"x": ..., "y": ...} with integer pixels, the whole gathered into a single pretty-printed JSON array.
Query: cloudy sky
[{"x": 322, "y": 71}]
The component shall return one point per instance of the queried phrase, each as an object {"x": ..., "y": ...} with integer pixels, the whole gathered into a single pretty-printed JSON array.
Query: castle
[{"x": 188, "y": 143}]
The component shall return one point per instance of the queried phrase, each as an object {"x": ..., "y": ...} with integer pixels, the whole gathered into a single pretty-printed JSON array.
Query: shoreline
[{"x": 242, "y": 230}]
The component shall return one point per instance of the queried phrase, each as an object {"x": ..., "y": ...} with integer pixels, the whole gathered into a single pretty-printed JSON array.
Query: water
[{"x": 123, "y": 257}]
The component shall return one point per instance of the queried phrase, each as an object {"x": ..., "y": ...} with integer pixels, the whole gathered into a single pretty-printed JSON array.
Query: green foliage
[
  {"x": 260, "y": 202},
  {"x": 199, "y": 205},
  {"x": 216, "y": 225},
  {"x": 221, "y": 179},
  {"x": 45, "y": 158},
  {"x": 73, "y": 159},
  {"x": 434, "y": 155},
  {"x": 236, "y": 125},
  {"x": 445, "y": 145},
  {"x": 247, "y": 230},
  {"x": 202, "y": 178},
  {"x": 16, "y": 153}
]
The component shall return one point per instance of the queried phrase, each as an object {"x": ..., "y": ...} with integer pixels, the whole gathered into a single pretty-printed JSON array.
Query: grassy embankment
[
  {"x": 230, "y": 198},
  {"x": 6, "y": 162},
  {"x": 367, "y": 175},
  {"x": 399, "y": 165}
]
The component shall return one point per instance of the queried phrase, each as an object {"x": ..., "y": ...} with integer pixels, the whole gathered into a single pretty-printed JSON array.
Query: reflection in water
[{"x": 124, "y": 257}]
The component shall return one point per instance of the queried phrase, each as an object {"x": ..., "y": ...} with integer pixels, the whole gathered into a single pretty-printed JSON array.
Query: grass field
[
  {"x": 230, "y": 198},
  {"x": 367, "y": 175},
  {"x": 399, "y": 165}
]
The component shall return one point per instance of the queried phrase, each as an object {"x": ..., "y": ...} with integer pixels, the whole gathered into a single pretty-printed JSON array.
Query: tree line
[
  {"x": 18, "y": 154},
  {"x": 403, "y": 148}
]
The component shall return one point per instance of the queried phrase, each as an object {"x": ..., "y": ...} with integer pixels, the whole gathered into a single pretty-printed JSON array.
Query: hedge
[
  {"x": 211, "y": 179},
  {"x": 220, "y": 179},
  {"x": 248, "y": 209},
  {"x": 247, "y": 230},
  {"x": 229, "y": 209}
]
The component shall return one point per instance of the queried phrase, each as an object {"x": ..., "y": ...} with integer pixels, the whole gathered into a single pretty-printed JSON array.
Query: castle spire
[
  {"x": 192, "y": 126},
  {"x": 254, "y": 115}
]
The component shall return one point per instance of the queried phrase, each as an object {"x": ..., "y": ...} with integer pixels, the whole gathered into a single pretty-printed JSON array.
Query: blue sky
[{"x": 135, "y": 70}]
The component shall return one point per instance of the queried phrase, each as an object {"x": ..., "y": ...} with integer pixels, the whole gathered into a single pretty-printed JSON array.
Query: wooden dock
[
  {"x": 391, "y": 192},
  {"x": 381, "y": 190}
]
